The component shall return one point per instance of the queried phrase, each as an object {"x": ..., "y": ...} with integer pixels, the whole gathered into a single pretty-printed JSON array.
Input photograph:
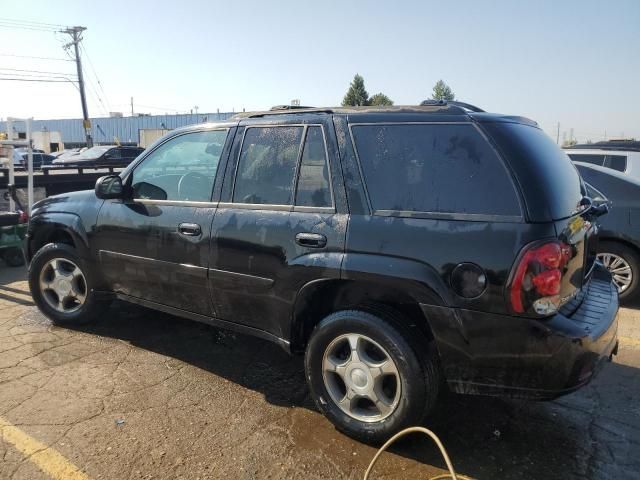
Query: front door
[
  {"x": 155, "y": 245},
  {"x": 278, "y": 227}
]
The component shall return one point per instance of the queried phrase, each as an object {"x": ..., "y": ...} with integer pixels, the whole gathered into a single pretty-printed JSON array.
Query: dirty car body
[{"x": 467, "y": 232}]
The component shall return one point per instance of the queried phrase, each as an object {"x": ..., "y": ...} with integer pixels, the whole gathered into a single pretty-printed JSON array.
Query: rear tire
[
  {"x": 62, "y": 286},
  {"x": 624, "y": 265},
  {"x": 389, "y": 366}
]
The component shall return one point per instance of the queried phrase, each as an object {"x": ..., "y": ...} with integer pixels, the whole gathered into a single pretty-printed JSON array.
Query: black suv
[{"x": 402, "y": 250}]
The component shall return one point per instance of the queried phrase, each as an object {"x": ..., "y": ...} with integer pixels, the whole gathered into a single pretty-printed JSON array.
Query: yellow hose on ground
[{"x": 451, "y": 475}]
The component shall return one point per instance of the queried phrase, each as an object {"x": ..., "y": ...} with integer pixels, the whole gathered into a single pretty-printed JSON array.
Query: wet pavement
[{"x": 146, "y": 395}]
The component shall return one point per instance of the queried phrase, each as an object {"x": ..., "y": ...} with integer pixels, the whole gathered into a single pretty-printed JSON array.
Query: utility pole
[
  {"x": 132, "y": 106},
  {"x": 558, "y": 135},
  {"x": 76, "y": 38}
]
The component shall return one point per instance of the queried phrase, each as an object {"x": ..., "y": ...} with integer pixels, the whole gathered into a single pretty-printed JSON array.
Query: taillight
[
  {"x": 537, "y": 278},
  {"x": 24, "y": 217}
]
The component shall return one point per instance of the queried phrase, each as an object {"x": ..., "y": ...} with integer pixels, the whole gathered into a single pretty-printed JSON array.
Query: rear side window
[
  {"x": 617, "y": 162},
  {"x": 313, "y": 179},
  {"x": 267, "y": 165},
  {"x": 587, "y": 158},
  {"x": 440, "y": 168}
]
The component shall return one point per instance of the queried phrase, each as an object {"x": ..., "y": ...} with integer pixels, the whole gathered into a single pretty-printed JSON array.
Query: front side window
[
  {"x": 183, "y": 168},
  {"x": 313, "y": 180},
  {"x": 267, "y": 165},
  {"x": 439, "y": 168}
]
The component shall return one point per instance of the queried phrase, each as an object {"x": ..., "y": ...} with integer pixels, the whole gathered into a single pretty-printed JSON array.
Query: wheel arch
[
  {"x": 319, "y": 298},
  {"x": 64, "y": 228}
]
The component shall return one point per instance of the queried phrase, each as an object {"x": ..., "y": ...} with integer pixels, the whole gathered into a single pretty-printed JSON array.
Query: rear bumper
[{"x": 520, "y": 357}]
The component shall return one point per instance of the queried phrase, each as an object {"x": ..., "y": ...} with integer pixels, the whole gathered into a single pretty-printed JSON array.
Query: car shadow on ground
[{"x": 486, "y": 437}]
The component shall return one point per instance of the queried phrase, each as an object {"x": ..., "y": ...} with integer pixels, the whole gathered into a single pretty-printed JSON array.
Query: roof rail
[
  {"x": 288, "y": 107},
  {"x": 279, "y": 111},
  {"x": 466, "y": 106}
]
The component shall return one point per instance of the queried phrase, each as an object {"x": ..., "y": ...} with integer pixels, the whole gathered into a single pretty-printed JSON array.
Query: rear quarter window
[
  {"x": 433, "y": 168},
  {"x": 549, "y": 182}
]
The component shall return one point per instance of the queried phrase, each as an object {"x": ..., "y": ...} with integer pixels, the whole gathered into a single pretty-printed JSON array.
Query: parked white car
[{"x": 622, "y": 156}]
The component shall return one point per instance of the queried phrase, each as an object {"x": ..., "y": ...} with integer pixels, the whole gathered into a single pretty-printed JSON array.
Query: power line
[
  {"x": 95, "y": 74},
  {"x": 30, "y": 22},
  {"x": 34, "y": 80},
  {"x": 35, "y": 71},
  {"x": 35, "y": 58},
  {"x": 28, "y": 25},
  {"x": 37, "y": 75},
  {"x": 24, "y": 27}
]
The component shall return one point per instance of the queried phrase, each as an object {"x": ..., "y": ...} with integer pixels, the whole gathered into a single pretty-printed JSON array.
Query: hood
[{"x": 72, "y": 202}]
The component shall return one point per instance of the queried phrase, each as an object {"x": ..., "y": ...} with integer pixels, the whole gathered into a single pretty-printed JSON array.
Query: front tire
[
  {"x": 61, "y": 285},
  {"x": 624, "y": 265},
  {"x": 368, "y": 376}
]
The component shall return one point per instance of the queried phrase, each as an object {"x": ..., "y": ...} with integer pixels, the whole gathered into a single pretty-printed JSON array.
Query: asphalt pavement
[{"x": 145, "y": 395}]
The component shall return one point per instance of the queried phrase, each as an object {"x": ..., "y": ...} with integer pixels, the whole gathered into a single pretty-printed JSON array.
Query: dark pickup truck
[{"x": 402, "y": 250}]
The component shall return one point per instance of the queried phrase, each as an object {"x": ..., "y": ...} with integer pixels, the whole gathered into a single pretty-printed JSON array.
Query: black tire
[
  {"x": 13, "y": 257},
  {"x": 416, "y": 361},
  {"x": 630, "y": 256},
  {"x": 93, "y": 306}
]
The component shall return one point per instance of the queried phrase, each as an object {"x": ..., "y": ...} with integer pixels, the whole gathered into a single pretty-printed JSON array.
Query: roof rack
[{"x": 466, "y": 106}]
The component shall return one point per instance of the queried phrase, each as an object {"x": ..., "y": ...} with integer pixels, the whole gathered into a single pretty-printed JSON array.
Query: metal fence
[{"x": 125, "y": 129}]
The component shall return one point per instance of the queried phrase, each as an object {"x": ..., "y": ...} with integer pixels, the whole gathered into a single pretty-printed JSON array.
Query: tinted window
[
  {"x": 433, "y": 168},
  {"x": 617, "y": 162},
  {"x": 183, "y": 168},
  {"x": 587, "y": 158},
  {"x": 267, "y": 165},
  {"x": 550, "y": 183},
  {"x": 313, "y": 180}
]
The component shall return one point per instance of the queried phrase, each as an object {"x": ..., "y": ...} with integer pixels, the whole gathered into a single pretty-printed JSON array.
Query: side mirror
[{"x": 109, "y": 186}]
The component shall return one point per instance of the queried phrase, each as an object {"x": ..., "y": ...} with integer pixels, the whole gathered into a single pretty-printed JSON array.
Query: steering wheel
[{"x": 192, "y": 185}]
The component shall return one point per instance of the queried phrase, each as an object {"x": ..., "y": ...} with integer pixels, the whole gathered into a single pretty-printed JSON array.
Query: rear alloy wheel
[
  {"x": 370, "y": 374},
  {"x": 623, "y": 264},
  {"x": 361, "y": 377}
]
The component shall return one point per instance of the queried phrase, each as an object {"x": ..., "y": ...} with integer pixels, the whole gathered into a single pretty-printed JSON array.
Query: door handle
[
  {"x": 312, "y": 240},
  {"x": 189, "y": 229}
]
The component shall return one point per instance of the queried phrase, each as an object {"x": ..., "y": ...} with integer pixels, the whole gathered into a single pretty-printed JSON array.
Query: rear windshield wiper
[{"x": 591, "y": 210}]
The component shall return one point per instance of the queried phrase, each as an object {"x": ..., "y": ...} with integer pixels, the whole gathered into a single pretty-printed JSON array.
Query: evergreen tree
[
  {"x": 380, "y": 99},
  {"x": 442, "y": 91},
  {"x": 356, "y": 95}
]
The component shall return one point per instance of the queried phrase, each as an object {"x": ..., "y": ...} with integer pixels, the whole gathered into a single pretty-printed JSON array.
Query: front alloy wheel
[{"x": 63, "y": 285}]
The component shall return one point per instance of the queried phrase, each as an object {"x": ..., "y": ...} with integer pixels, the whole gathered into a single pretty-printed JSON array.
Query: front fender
[{"x": 45, "y": 226}]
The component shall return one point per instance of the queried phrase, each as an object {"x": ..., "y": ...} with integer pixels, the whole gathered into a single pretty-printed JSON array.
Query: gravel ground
[{"x": 146, "y": 395}]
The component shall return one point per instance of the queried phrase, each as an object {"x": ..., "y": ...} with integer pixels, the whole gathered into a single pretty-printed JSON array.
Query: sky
[{"x": 576, "y": 63}]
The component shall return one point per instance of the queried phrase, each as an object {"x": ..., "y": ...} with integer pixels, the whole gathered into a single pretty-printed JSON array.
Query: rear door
[
  {"x": 279, "y": 226},
  {"x": 154, "y": 245}
]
